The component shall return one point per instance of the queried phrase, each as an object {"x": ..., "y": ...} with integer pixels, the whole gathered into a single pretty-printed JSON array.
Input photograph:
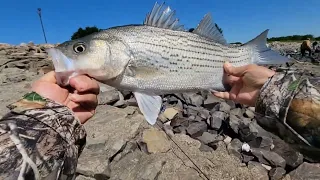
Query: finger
[
  {"x": 87, "y": 100},
  {"x": 83, "y": 83},
  {"x": 49, "y": 77},
  {"x": 223, "y": 95},
  {"x": 231, "y": 80},
  {"x": 82, "y": 113},
  {"x": 84, "y": 116},
  {"x": 235, "y": 71},
  {"x": 235, "y": 91}
]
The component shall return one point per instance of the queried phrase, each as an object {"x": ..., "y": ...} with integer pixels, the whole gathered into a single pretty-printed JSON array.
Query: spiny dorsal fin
[
  {"x": 208, "y": 29},
  {"x": 163, "y": 18}
]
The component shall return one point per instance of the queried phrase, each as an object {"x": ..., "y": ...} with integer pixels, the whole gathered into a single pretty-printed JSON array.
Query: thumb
[
  {"x": 49, "y": 77},
  {"x": 235, "y": 71}
]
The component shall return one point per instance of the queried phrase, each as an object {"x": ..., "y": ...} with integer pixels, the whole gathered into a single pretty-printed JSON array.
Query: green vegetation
[
  {"x": 84, "y": 32},
  {"x": 294, "y": 38},
  {"x": 92, "y": 29},
  {"x": 236, "y": 43}
]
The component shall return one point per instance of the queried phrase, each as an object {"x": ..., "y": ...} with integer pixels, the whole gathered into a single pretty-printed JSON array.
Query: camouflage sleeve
[
  {"x": 39, "y": 138},
  {"x": 289, "y": 104}
]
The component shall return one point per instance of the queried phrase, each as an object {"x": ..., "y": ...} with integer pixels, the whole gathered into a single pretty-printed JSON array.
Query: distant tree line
[
  {"x": 84, "y": 32},
  {"x": 92, "y": 29},
  {"x": 295, "y": 38}
]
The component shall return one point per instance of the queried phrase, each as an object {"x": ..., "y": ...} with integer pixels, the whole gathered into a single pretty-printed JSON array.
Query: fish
[{"x": 158, "y": 57}]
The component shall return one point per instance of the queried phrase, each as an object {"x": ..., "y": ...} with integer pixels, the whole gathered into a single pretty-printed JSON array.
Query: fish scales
[
  {"x": 185, "y": 61},
  {"x": 166, "y": 47}
]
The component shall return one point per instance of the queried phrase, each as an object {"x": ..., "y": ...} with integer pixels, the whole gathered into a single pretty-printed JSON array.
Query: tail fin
[{"x": 261, "y": 54}]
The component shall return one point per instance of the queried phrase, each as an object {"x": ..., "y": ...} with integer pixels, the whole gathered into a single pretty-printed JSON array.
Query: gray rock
[
  {"x": 15, "y": 75},
  {"x": 81, "y": 177},
  {"x": 234, "y": 123},
  {"x": 132, "y": 102},
  {"x": 260, "y": 172},
  {"x": 266, "y": 143},
  {"x": 179, "y": 122},
  {"x": 306, "y": 171},
  {"x": 193, "y": 98},
  {"x": 269, "y": 157},
  {"x": 180, "y": 130},
  {"x": 205, "y": 148},
  {"x": 211, "y": 101},
  {"x": 207, "y": 138},
  {"x": 175, "y": 165},
  {"x": 247, "y": 158},
  {"x": 215, "y": 121},
  {"x": 109, "y": 96},
  {"x": 268, "y": 168},
  {"x": 197, "y": 128},
  {"x": 191, "y": 110},
  {"x": 212, "y": 131},
  {"x": 195, "y": 118},
  {"x": 121, "y": 102},
  {"x": 248, "y": 134},
  {"x": 237, "y": 112},
  {"x": 107, "y": 135},
  {"x": 204, "y": 113},
  {"x": 39, "y": 55},
  {"x": 171, "y": 99},
  {"x": 231, "y": 103},
  {"x": 293, "y": 158},
  {"x": 17, "y": 54},
  {"x": 130, "y": 147},
  {"x": 234, "y": 148},
  {"x": 93, "y": 160},
  {"x": 224, "y": 107},
  {"x": 260, "y": 131},
  {"x": 168, "y": 129},
  {"x": 151, "y": 165},
  {"x": 179, "y": 106},
  {"x": 2, "y": 52},
  {"x": 277, "y": 173},
  {"x": 248, "y": 113},
  {"x": 156, "y": 141}
]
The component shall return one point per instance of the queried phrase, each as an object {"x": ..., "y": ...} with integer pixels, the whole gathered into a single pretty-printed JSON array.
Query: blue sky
[{"x": 240, "y": 20}]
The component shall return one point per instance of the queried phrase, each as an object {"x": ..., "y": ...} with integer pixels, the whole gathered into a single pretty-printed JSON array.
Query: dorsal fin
[
  {"x": 208, "y": 29},
  {"x": 163, "y": 18}
]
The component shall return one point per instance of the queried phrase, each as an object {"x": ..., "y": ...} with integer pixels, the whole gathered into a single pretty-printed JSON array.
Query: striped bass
[{"x": 158, "y": 57}]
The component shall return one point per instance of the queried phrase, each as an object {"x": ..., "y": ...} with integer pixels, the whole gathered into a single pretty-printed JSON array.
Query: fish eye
[{"x": 79, "y": 48}]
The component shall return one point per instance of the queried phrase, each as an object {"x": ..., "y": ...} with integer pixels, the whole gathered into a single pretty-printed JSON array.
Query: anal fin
[{"x": 150, "y": 106}]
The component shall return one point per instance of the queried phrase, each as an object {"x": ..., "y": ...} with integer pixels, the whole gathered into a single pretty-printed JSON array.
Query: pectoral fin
[{"x": 149, "y": 105}]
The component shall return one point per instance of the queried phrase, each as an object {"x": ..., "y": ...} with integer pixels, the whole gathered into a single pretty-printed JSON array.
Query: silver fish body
[
  {"x": 158, "y": 57},
  {"x": 167, "y": 61}
]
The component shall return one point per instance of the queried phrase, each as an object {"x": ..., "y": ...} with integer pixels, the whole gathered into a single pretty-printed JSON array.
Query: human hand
[
  {"x": 245, "y": 81},
  {"x": 81, "y": 97}
]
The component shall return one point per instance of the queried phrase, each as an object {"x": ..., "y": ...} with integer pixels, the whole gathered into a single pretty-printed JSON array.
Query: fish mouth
[
  {"x": 61, "y": 62},
  {"x": 64, "y": 66}
]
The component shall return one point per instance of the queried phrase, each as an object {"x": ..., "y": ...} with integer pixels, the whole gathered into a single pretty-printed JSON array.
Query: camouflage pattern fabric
[
  {"x": 39, "y": 138},
  {"x": 289, "y": 105}
]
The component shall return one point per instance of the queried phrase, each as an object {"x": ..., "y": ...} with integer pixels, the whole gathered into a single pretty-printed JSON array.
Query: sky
[{"x": 240, "y": 20}]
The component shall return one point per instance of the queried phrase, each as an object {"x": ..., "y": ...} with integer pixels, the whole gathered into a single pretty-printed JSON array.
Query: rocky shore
[{"x": 197, "y": 136}]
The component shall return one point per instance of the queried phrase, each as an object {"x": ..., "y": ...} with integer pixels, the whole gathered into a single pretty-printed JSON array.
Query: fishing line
[{"x": 199, "y": 170}]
